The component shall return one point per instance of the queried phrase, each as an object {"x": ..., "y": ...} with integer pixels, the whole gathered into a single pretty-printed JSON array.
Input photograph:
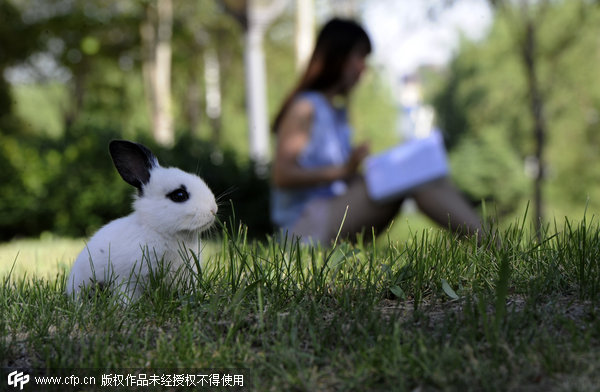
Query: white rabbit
[{"x": 171, "y": 208}]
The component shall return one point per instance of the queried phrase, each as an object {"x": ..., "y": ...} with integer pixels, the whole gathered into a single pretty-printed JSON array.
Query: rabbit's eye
[{"x": 179, "y": 195}]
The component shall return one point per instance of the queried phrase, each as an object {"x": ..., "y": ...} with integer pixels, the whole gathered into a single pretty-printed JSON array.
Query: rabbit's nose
[{"x": 213, "y": 210}]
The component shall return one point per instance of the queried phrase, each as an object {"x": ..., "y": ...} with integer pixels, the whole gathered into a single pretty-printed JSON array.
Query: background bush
[{"x": 69, "y": 186}]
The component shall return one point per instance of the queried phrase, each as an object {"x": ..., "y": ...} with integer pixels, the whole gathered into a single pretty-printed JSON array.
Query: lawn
[{"x": 428, "y": 313}]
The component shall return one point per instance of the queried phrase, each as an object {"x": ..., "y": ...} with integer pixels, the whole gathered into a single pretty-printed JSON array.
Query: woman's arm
[{"x": 293, "y": 135}]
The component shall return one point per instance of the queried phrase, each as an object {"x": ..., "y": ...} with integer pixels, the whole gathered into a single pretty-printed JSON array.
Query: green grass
[{"x": 431, "y": 313}]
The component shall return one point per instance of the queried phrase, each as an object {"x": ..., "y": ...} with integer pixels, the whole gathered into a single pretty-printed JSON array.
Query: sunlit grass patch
[{"x": 43, "y": 257}]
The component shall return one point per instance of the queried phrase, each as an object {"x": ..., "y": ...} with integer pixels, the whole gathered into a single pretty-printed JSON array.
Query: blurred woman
[{"x": 316, "y": 183}]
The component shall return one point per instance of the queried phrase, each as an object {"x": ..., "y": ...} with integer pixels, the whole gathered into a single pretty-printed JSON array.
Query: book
[{"x": 395, "y": 172}]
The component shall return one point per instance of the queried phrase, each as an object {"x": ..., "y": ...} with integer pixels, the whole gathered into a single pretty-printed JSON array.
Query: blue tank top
[{"x": 329, "y": 144}]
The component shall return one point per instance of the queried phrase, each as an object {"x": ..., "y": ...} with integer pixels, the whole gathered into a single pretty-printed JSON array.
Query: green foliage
[
  {"x": 12, "y": 26},
  {"x": 69, "y": 186},
  {"x": 41, "y": 106},
  {"x": 58, "y": 185},
  {"x": 487, "y": 168},
  {"x": 483, "y": 105},
  {"x": 12, "y": 51}
]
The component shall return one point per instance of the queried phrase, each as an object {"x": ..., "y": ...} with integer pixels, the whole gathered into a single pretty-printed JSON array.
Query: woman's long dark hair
[{"x": 336, "y": 41}]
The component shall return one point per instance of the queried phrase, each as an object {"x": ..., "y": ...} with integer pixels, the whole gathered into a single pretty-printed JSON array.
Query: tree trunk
[
  {"x": 346, "y": 8},
  {"x": 536, "y": 104},
  {"x": 527, "y": 22},
  {"x": 163, "y": 123},
  {"x": 305, "y": 32},
  {"x": 156, "y": 32},
  {"x": 193, "y": 103},
  {"x": 255, "y": 18},
  {"x": 212, "y": 81},
  {"x": 259, "y": 18},
  {"x": 77, "y": 98},
  {"x": 256, "y": 95}
]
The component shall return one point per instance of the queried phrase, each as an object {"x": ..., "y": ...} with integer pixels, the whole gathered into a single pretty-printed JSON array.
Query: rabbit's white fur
[{"x": 159, "y": 230}]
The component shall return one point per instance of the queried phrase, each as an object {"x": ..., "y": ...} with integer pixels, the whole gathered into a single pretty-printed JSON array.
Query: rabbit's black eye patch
[{"x": 179, "y": 195}]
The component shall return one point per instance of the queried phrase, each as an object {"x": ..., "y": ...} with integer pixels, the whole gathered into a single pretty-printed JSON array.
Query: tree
[
  {"x": 526, "y": 18},
  {"x": 533, "y": 83},
  {"x": 255, "y": 16}
]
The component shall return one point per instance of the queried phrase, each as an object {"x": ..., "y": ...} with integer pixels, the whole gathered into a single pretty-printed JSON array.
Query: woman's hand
[{"x": 357, "y": 156}]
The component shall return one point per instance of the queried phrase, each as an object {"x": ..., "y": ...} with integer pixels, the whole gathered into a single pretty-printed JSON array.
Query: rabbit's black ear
[{"x": 133, "y": 161}]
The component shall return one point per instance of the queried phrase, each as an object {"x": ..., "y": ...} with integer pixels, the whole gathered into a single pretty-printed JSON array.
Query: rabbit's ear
[{"x": 133, "y": 162}]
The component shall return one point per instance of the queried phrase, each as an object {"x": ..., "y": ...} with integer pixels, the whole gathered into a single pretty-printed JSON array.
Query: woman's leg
[
  {"x": 322, "y": 218},
  {"x": 444, "y": 204}
]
